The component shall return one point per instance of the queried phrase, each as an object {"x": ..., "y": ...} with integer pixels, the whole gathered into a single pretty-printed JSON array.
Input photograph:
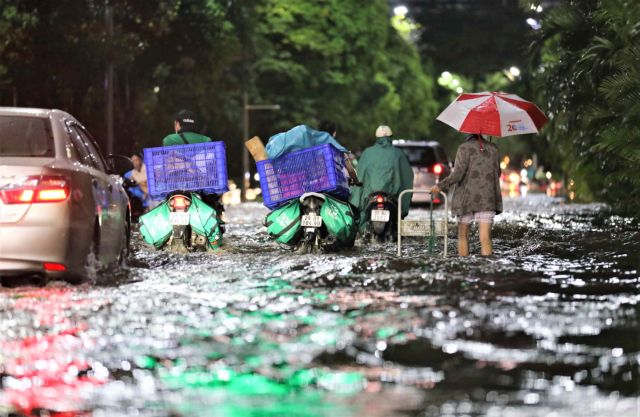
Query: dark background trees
[
  {"x": 341, "y": 60},
  {"x": 478, "y": 42},
  {"x": 327, "y": 59},
  {"x": 588, "y": 77}
]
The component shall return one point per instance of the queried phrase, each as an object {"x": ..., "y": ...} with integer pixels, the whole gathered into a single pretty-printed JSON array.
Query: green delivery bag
[
  {"x": 155, "y": 225},
  {"x": 283, "y": 224},
  {"x": 203, "y": 220},
  {"x": 338, "y": 219}
]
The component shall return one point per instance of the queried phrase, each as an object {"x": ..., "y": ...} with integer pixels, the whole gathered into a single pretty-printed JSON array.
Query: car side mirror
[{"x": 119, "y": 164}]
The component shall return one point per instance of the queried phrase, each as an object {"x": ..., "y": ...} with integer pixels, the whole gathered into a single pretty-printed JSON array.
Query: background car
[
  {"x": 63, "y": 210},
  {"x": 429, "y": 162}
]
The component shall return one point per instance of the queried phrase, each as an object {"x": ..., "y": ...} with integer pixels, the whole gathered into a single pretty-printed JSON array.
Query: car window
[
  {"x": 26, "y": 136},
  {"x": 420, "y": 155},
  {"x": 80, "y": 142},
  {"x": 93, "y": 147}
]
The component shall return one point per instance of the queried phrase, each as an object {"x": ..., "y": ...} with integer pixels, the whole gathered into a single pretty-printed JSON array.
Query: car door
[
  {"x": 102, "y": 190},
  {"x": 119, "y": 199}
]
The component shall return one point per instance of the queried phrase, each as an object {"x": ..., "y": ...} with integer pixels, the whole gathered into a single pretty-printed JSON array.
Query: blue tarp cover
[{"x": 300, "y": 137}]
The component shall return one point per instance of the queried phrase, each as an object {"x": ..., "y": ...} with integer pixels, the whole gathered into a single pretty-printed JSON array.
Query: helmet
[{"x": 383, "y": 131}]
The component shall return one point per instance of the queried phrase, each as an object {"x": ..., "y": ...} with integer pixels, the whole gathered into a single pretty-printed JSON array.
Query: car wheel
[
  {"x": 19, "y": 281},
  {"x": 92, "y": 262}
]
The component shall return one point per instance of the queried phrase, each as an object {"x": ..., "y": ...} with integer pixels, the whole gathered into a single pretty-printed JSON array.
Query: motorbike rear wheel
[{"x": 180, "y": 239}]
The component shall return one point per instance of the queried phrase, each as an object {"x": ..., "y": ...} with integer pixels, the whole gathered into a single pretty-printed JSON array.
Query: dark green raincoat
[{"x": 382, "y": 167}]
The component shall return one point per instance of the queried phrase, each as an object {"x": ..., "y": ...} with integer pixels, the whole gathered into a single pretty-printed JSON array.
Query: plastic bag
[
  {"x": 339, "y": 220},
  {"x": 203, "y": 220},
  {"x": 155, "y": 226},
  {"x": 283, "y": 224}
]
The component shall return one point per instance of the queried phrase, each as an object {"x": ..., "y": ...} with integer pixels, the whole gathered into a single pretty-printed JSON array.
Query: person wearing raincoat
[{"x": 382, "y": 168}]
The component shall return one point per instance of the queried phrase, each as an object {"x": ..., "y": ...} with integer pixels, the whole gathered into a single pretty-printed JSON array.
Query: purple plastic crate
[
  {"x": 316, "y": 169},
  {"x": 195, "y": 167}
]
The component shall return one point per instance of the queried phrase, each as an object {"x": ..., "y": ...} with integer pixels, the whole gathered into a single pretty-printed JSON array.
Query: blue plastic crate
[
  {"x": 316, "y": 169},
  {"x": 196, "y": 167}
]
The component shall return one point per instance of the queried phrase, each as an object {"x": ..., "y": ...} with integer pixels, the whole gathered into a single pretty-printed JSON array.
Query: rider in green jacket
[
  {"x": 185, "y": 125},
  {"x": 382, "y": 168}
]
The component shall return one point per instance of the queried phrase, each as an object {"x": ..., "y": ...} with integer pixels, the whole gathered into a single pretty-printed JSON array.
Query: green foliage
[
  {"x": 326, "y": 59},
  {"x": 14, "y": 26},
  {"x": 590, "y": 79},
  {"x": 341, "y": 61}
]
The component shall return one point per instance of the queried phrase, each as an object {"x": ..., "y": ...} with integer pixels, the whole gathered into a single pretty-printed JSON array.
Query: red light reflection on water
[{"x": 48, "y": 371}]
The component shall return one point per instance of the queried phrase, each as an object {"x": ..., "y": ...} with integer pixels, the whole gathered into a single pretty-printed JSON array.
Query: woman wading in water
[{"x": 476, "y": 195}]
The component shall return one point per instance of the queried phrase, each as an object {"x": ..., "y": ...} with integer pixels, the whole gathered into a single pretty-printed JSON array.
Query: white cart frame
[{"x": 440, "y": 231}]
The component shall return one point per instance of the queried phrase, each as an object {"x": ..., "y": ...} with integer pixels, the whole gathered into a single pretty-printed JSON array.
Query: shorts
[{"x": 480, "y": 217}]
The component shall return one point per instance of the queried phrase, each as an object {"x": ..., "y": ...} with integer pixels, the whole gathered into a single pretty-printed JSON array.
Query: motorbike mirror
[{"x": 119, "y": 164}]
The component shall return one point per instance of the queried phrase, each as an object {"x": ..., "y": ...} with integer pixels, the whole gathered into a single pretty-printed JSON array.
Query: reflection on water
[{"x": 549, "y": 326}]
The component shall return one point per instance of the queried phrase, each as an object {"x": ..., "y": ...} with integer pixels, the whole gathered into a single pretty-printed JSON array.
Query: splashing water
[{"x": 548, "y": 325}]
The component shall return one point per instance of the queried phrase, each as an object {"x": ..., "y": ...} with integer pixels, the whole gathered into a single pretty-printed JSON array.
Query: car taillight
[
  {"x": 437, "y": 169},
  {"x": 52, "y": 266},
  {"x": 179, "y": 203},
  {"x": 36, "y": 189}
]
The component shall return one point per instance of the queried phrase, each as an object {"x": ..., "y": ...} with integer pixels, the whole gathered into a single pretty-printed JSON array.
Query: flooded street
[{"x": 548, "y": 327}]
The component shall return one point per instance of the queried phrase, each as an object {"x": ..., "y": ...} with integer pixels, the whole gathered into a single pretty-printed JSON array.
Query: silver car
[
  {"x": 63, "y": 210},
  {"x": 430, "y": 165}
]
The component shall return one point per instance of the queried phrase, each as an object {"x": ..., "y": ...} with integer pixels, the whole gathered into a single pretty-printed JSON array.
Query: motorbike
[
  {"x": 315, "y": 237},
  {"x": 186, "y": 221},
  {"x": 313, "y": 223},
  {"x": 185, "y": 237},
  {"x": 190, "y": 179},
  {"x": 382, "y": 217}
]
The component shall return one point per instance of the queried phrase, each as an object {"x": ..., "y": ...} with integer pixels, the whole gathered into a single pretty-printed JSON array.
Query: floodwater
[{"x": 547, "y": 327}]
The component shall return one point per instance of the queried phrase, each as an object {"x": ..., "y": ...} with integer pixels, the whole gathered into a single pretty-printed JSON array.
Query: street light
[
  {"x": 245, "y": 152},
  {"x": 533, "y": 23},
  {"x": 400, "y": 11}
]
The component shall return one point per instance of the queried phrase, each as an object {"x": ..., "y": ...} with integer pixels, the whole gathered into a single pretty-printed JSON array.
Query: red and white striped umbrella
[{"x": 493, "y": 114}]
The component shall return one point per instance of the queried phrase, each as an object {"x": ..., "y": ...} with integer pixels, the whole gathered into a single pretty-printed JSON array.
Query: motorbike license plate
[
  {"x": 311, "y": 220},
  {"x": 380, "y": 215},
  {"x": 179, "y": 218}
]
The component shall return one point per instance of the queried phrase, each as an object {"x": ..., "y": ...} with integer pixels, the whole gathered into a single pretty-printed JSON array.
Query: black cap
[{"x": 188, "y": 120}]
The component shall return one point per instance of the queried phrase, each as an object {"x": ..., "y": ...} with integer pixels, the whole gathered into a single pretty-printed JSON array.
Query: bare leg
[
  {"x": 463, "y": 239},
  {"x": 486, "y": 247}
]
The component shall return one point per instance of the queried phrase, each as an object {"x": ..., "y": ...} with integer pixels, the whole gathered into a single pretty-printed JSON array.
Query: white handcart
[{"x": 431, "y": 227}]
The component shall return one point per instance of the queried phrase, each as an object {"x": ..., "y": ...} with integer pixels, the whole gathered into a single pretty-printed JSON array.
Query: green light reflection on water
[{"x": 223, "y": 392}]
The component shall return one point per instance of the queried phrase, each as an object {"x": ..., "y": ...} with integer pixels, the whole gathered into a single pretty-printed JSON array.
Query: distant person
[
  {"x": 476, "y": 196},
  {"x": 139, "y": 173},
  {"x": 382, "y": 168},
  {"x": 332, "y": 129},
  {"x": 185, "y": 125},
  {"x": 137, "y": 188}
]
